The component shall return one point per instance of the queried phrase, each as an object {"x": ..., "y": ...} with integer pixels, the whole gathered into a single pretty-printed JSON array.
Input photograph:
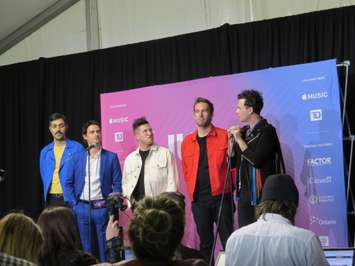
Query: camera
[{"x": 115, "y": 202}]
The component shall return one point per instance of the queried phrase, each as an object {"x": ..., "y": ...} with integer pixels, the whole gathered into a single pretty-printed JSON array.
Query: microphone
[
  {"x": 231, "y": 139},
  {"x": 91, "y": 146}
]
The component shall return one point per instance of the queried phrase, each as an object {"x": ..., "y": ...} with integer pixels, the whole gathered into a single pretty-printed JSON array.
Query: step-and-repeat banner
[{"x": 301, "y": 101}]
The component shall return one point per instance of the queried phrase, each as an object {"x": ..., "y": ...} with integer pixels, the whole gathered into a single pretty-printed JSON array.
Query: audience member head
[
  {"x": 177, "y": 197},
  {"x": 59, "y": 231},
  {"x": 280, "y": 196},
  {"x": 156, "y": 228},
  {"x": 20, "y": 237}
]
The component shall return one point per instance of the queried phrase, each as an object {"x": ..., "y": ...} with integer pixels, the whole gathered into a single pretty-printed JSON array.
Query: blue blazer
[
  {"x": 47, "y": 163},
  {"x": 110, "y": 175}
]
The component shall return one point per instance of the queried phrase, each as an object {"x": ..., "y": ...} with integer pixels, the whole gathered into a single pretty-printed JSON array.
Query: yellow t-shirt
[{"x": 56, "y": 187}]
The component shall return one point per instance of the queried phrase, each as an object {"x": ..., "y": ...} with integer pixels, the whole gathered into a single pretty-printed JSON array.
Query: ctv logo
[
  {"x": 319, "y": 161},
  {"x": 175, "y": 139},
  {"x": 315, "y": 115}
]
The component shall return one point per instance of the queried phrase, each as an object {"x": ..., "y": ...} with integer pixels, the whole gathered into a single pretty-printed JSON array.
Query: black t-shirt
[
  {"x": 139, "y": 192},
  {"x": 203, "y": 186}
]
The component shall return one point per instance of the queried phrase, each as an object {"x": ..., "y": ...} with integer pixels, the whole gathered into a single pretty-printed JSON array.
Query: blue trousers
[{"x": 99, "y": 219}]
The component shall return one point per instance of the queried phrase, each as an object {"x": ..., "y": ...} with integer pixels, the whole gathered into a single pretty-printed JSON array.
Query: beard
[{"x": 204, "y": 123}]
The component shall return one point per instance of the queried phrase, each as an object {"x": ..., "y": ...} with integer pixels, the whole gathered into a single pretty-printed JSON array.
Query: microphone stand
[{"x": 221, "y": 202}]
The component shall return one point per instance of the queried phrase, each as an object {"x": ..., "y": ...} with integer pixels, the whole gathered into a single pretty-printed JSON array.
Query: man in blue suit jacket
[
  {"x": 52, "y": 159},
  {"x": 105, "y": 177}
]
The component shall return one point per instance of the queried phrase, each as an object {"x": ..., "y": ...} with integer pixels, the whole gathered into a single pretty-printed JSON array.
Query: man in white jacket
[{"x": 150, "y": 169}]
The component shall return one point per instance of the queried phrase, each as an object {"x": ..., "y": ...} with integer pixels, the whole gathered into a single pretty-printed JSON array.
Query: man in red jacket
[{"x": 204, "y": 162}]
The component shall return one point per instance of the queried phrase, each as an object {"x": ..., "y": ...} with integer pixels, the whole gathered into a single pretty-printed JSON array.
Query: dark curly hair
[{"x": 253, "y": 99}]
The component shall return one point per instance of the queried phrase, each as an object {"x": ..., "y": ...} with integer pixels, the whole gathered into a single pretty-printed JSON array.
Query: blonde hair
[{"x": 20, "y": 237}]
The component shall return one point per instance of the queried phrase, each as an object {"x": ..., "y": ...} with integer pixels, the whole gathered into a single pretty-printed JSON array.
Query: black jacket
[{"x": 263, "y": 154}]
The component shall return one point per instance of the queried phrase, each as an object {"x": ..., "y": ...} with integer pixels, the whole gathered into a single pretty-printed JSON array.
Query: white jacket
[{"x": 160, "y": 172}]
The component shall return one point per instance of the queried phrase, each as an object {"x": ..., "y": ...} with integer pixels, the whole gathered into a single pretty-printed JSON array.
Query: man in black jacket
[{"x": 257, "y": 153}]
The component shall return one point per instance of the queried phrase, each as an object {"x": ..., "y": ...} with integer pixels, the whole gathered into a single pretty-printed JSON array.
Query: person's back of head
[
  {"x": 61, "y": 236},
  {"x": 177, "y": 197},
  {"x": 20, "y": 237},
  {"x": 272, "y": 239},
  {"x": 156, "y": 228},
  {"x": 280, "y": 196}
]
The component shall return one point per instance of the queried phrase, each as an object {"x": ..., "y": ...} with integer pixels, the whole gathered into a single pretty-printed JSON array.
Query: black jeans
[{"x": 205, "y": 215}]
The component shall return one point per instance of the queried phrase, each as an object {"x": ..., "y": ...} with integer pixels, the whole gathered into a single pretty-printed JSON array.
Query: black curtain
[{"x": 31, "y": 91}]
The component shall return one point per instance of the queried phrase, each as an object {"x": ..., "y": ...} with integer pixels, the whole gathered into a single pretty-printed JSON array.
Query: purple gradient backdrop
[{"x": 312, "y": 149}]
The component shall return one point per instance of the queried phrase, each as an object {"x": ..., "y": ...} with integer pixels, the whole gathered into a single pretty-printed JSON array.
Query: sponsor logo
[
  {"x": 317, "y": 220},
  {"x": 324, "y": 241},
  {"x": 313, "y": 79},
  {"x": 122, "y": 105},
  {"x": 319, "y": 161},
  {"x": 119, "y": 120},
  {"x": 314, "y": 95},
  {"x": 317, "y": 132},
  {"x": 319, "y": 145},
  {"x": 315, "y": 115},
  {"x": 320, "y": 180},
  {"x": 119, "y": 136},
  {"x": 314, "y": 199}
]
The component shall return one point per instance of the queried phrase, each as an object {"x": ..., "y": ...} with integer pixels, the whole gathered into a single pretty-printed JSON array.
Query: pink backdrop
[
  {"x": 301, "y": 101},
  {"x": 168, "y": 108}
]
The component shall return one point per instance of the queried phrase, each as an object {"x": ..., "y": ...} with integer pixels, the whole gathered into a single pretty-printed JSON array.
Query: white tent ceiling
[
  {"x": 20, "y": 18},
  {"x": 15, "y": 13}
]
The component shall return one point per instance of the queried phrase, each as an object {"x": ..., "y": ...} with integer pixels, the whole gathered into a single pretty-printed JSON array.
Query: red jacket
[{"x": 217, "y": 145}]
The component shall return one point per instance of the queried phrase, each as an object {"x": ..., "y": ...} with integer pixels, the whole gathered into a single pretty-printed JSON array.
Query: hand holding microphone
[{"x": 234, "y": 133}]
